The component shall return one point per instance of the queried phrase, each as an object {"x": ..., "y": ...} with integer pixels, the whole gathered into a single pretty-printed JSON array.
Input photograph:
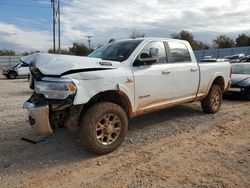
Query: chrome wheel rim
[
  {"x": 108, "y": 129},
  {"x": 216, "y": 100}
]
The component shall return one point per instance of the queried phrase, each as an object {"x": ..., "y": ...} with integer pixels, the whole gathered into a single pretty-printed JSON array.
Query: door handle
[
  {"x": 166, "y": 72},
  {"x": 193, "y": 69}
]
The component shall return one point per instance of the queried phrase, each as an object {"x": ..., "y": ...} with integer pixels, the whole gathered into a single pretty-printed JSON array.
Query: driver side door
[
  {"x": 153, "y": 82},
  {"x": 23, "y": 69}
]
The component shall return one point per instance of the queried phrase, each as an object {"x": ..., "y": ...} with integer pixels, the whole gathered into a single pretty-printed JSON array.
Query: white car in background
[{"x": 19, "y": 70}]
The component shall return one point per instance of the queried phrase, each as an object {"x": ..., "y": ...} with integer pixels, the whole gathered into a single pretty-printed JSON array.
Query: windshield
[
  {"x": 241, "y": 69},
  {"x": 116, "y": 51},
  {"x": 16, "y": 65}
]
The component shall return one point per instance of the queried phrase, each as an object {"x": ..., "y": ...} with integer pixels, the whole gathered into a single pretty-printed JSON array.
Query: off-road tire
[
  {"x": 89, "y": 122},
  {"x": 12, "y": 75},
  {"x": 208, "y": 104}
]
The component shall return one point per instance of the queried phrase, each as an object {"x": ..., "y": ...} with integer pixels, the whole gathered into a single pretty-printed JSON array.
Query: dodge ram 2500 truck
[{"x": 98, "y": 94}]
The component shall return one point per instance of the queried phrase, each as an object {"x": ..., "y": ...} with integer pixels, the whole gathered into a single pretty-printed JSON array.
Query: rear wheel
[
  {"x": 103, "y": 127},
  {"x": 211, "y": 104}
]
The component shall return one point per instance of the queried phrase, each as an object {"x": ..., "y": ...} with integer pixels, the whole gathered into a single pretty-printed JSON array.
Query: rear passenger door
[{"x": 185, "y": 71}]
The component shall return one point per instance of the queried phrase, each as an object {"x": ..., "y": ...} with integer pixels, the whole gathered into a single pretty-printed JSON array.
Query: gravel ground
[{"x": 177, "y": 147}]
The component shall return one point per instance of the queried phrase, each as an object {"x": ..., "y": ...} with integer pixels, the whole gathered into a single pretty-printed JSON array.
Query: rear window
[
  {"x": 179, "y": 52},
  {"x": 241, "y": 69}
]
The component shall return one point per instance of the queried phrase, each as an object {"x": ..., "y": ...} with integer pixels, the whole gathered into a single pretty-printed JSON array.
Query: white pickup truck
[{"x": 98, "y": 94}]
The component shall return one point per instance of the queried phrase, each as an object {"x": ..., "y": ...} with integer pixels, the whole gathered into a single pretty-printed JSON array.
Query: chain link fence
[
  {"x": 8, "y": 61},
  {"x": 220, "y": 53}
]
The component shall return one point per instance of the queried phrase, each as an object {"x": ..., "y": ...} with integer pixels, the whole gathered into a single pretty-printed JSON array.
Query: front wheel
[
  {"x": 12, "y": 75},
  {"x": 211, "y": 104},
  {"x": 103, "y": 127}
]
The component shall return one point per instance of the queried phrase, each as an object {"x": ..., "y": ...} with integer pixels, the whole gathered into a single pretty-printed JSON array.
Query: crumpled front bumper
[{"x": 39, "y": 117}]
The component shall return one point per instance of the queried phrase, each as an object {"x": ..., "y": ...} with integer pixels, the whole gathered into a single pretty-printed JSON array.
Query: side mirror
[{"x": 145, "y": 59}]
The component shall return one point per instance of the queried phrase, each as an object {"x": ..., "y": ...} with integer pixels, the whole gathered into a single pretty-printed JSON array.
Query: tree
[
  {"x": 183, "y": 35},
  {"x": 242, "y": 40},
  {"x": 223, "y": 41},
  {"x": 186, "y": 35},
  {"x": 62, "y": 51},
  {"x": 28, "y": 53},
  {"x": 79, "y": 49},
  {"x": 136, "y": 34},
  {"x": 7, "y": 52},
  {"x": 201, "y": 46}
]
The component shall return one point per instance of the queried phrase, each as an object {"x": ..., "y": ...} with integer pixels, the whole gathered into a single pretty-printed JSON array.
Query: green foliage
[
  {"x": 242, "y": 40},
  {"x": 28, "y": 53},
  {"x": 136, "y": 34},
  {"x": 185, "y": 35},
  {"x": 7, "y": 52},
  {"x": 223, "y": 41},
  {"x": 78, "y": 49},
  {"x": 62, "y": 51}
]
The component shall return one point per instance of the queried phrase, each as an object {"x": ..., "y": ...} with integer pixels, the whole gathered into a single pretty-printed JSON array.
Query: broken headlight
[{"x": 55, "y": 88}]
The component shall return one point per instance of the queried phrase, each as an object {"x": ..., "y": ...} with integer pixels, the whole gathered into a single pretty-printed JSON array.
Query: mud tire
[
  {"x": 211, "y": 104},
  {"x": 89, "y": 122}
]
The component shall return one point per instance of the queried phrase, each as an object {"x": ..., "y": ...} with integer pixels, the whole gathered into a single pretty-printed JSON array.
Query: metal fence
[
  {"x": 7, "y": 61},
  {"x": 220, "y": 53}
]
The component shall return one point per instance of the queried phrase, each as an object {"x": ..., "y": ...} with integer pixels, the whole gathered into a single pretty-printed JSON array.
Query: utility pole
[
  {"x": 54, "y": 26},
  {"x": 56, "y": 20},
  {"x": 59, "y": 27},
  {"x": 89, "y": 39}
]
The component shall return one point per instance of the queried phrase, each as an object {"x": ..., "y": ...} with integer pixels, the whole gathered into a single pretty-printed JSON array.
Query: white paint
[{"x": 150, "y": 88}]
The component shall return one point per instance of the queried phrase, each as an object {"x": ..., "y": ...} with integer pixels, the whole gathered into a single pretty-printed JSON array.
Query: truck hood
[{"x": 59, "y": 65}]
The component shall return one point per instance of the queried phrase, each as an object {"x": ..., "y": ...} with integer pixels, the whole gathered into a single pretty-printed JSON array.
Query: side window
[
  {"x": 156, "y": 48},
  {"x": 24, "y": 65},
  {"x": 179, "y": 52}
]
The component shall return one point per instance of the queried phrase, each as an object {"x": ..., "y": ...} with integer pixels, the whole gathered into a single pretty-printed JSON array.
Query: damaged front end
[{"x": 51, "y": 105}]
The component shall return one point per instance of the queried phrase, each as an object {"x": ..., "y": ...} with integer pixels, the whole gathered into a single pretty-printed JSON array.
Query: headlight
[{"x": 55, "y": 89}]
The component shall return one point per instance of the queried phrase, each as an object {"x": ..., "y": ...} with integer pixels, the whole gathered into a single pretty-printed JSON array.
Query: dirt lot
[{"x": 177, "y": 147}]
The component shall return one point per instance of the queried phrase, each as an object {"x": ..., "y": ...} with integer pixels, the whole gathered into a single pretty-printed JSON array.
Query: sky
[{"x": 26, "y": 25}]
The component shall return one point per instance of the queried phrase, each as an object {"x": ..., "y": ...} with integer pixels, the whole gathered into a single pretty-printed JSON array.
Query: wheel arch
[
  {"x": 217, "y": 80},
  {"x": 115, "y": 96}
]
